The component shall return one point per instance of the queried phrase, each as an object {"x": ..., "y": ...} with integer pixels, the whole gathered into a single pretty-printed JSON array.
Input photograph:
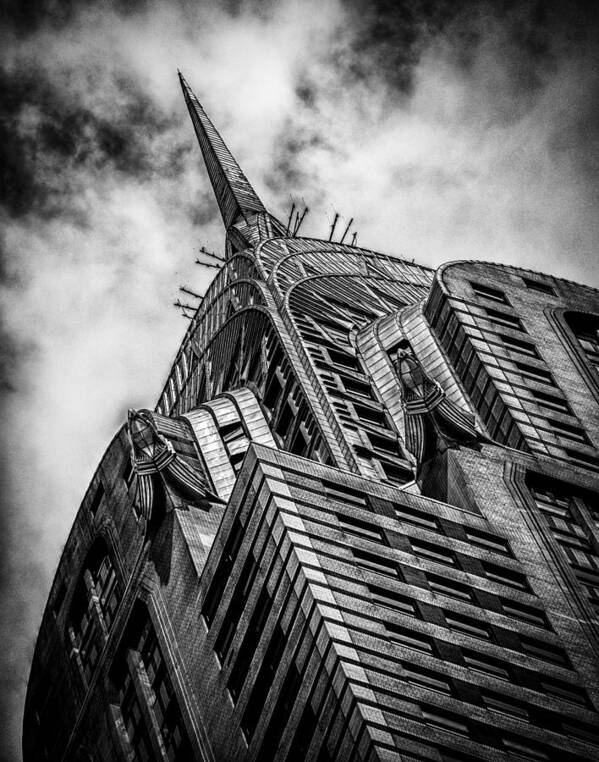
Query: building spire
[{"x": 237, "y": 200}]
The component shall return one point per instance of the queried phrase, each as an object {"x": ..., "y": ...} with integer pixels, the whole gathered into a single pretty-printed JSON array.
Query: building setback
[{"x": 362, "y": 522}]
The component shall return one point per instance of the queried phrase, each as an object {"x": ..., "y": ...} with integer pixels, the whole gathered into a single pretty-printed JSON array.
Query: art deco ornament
[
  {"x": 162, "y": 477},
  {"x": 432, "y": 422}
]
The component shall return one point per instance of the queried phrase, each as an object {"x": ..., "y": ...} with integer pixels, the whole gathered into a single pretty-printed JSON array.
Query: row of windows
[
  {"x": 477, "y": 382},
  {"x": 144, "y": 689},
  {"x": 95, "y": 602},
  {"x": 585, "y": 328},
  {"x": 494, "y": 294},
  {"x": 291, "y": 681},
  {"x": 432, "y": 552},
  {"x": 353, "y": 398},
  {"x": 407, "y": 515},
  {"x": 490, "y": 665},
  {"x": 467, "y": 625},
  {"x": 493, "y": 701},
  {"x": 284, "y": 405},
  {"x": 481, "y": 388},
  {"x": 267, "y": 670},
  {"x": 452, "y": 589},
  {"x": 93, "y": 610},
  {"x": 561, "y": 507},
  {"x": 236, "y": 442}
]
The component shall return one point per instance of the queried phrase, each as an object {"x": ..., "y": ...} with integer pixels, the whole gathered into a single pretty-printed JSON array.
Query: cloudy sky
[{"x": 448, "y": 130}]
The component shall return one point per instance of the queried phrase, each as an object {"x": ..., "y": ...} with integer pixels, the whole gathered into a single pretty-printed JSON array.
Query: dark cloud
[
  {"x": 28, "y": 16},
  {"x": 392, "y": 35},
  {"x": 46, "y": 133}
]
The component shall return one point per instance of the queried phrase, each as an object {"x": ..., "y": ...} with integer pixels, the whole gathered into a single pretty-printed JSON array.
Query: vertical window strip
[{"x": 222, "y": 572}]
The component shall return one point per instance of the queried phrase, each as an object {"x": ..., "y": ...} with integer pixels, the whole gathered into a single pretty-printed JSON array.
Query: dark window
[
  {"x": 383, "y": 445},
  {"x": 395, "y": 473},
  {"x": 88, "y": 639},
  {"x": 344, "y": 494},
  {"x": 141, "y": 647},
  {"x": 517, "y": 345},
  {"x": 524, "y": 747},
  {"x": 344, "y": 359},
  {"x": 303, "y": 736},
  {"x": 273, "y": 391},
  {"x": 557, "y": 502},
  {"x": 361, "y": 529},
  {"x": 581, "y": 731},
  {"x": 410, "y": 639},
  {"x": 581, "y": 457},
  {"x": 97, "y": 499},
  {"x": 568, "y": 431},
  {"x": 285, "y": 419},
  {"x": 249, "y": 644},
  {"x": 586, "y": 329},
  {"x": 235, "y": 608},
  {"x": 537, "y": 285},
  {"x": 376, "y": 563},
  {"x": 433, "y": 552},
  {"x": 544, "y": 651},
  {"x": 506, "y": 576},
  {"x": 488, "y": 541},
  {"x": 299, "y": 445},
  {"x": 221, "y": 574},
  {"x": 264, "y": 680},
  {"x": 354, "y": 386},
  {"x": 550, "y": 401},
  {"x": 165, "y": 708},
  {"x": 131, "y": 711},
  {"x": 495, "y": 702},
  {"x": 525, "y": 613},
  {"x": 449, "y": 587},
  {"x": 95, "y": 602},
  {"x": 442, "y": 720},
  {"x": 487, "y": 665},
  {"x": 426, "y": 678},
  {"x": 504, "y": 319},
  {"x": 108, "y": 590},
  {"x": 233, "y": 435},
  {"x": 536, "y": 374},
  {"x": 370, "y": 415},
  {"x": 564, "y": 691},
  {"x": 412, "y": 516},
  {"x": 467, "y": 625},
  {"x": 280, "y": 715},
  {"x": 489, "y": 293},
  {"x": 391, "y": 599}
]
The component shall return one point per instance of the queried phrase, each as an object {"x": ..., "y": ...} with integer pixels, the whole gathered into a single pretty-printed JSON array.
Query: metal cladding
[
  {"x": 155, "y": 461},
  {"x": 237, "y": 200},
  {"x": 362, "y": 522},
  {"x": 431, "y": 420}
]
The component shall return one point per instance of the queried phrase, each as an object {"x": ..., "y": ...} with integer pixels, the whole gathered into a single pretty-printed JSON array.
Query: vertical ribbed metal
[{"x": 235, "y": 196}]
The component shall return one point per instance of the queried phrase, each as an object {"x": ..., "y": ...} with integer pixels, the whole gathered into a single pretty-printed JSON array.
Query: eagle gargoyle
[
  {"x": 433, "y": 423},
  {"x": 160, "y": 472}
]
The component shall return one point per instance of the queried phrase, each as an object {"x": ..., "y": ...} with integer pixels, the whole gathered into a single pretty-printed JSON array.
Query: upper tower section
[{"x": 246, "y": 220}]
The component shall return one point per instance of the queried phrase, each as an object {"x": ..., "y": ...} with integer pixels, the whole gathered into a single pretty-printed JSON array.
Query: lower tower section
[{"x": 344, "y": 619}]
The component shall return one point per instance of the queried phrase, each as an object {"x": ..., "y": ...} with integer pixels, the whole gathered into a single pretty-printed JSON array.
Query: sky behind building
[{"x": 447, "y": 130}]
